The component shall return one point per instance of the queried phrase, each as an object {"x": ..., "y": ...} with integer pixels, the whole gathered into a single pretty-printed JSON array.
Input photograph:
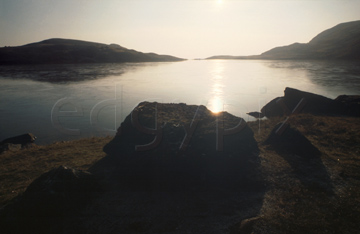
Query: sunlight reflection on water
[
  {"x": 106, "y": 93},
  {"x": 217, "y": 100}
]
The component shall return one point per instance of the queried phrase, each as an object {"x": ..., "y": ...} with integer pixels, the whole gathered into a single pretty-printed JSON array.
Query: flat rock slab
[{"x": 304, "y": 102}]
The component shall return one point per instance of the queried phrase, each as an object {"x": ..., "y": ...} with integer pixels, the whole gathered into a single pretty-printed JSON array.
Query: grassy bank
[
  {"x": 18, "y": 169},
  {"x": 317, "y": 195},
  {"x": 320, "y": 195}
]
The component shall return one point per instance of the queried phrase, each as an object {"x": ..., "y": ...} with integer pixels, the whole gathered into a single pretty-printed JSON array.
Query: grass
[
  {"x": 19, "y": 168},
  {"x": 293, "y": 204},
  {"x": 319, "y": 195}
]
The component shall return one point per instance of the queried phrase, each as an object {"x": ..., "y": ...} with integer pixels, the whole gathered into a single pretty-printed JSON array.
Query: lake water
[{"x": 43, "y": 100}]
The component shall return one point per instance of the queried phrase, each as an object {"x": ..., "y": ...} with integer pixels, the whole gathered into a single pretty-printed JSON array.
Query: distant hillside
[
  {"x": 56, "y": 51},
  {"x": 339, "y": 42}
]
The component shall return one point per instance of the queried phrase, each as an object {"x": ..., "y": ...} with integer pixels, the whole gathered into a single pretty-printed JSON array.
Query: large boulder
[
  {"x": 351, "y": 104},
  {"x": 48, "y": 202},
  {"x": 303, "y": 157},
  {"x": 286, "y": 139},
  {"x": 306, "y": 102},
  {"x": 177, "y": 168},
  {"x": 183, "y": 142}
]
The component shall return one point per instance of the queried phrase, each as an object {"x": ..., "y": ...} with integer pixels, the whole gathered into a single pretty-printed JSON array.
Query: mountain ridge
[
  {"x": 339, "y": 42},
  {"x": 62, "y": 51}
]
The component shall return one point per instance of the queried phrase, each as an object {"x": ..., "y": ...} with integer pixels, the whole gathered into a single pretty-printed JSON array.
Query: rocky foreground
[{"x": 175, "y": 168}]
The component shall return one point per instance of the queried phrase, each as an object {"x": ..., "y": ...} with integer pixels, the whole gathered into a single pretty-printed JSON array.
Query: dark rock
[
  {"x": 272, "y": 108},
  {"x": 348, "y": 99},
  {"x": 204, "y": 154},
  {"x": 23, "y": 139},
  {"x": 303, "y": 157},
  {"x": 48, "y": 201},
  {"x": 286, "y": 139},
  {"x": 256, "y": 114},
  {"x": 176, "y": 189},
  {"x": 350, "y": 103},
  {"x": 305, "y": 102},
  {"x": 62, "y": 185},
  {"x": 247, "y": 225},
  {"x": 315, "y": 104}
]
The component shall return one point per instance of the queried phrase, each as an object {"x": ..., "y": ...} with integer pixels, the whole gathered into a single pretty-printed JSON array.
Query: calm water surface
[{"x": 44, "y": 100}]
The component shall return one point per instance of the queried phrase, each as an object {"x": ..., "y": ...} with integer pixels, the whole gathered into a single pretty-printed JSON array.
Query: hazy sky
[{"x": 183, "y": 28}]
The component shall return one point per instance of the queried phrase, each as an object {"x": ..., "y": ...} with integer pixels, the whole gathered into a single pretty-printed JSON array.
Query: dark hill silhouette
[
  {"x": 339, "y": 42},
  {"x": 57, "y": 51}
]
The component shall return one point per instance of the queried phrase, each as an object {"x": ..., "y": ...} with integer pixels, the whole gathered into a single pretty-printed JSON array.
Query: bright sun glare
[
  {"x": 219, "y": 1},
  {"x": 216, "y": 105}
]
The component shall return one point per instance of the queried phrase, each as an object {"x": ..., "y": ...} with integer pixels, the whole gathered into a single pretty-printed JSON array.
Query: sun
[{"x": 219, "y": 1}]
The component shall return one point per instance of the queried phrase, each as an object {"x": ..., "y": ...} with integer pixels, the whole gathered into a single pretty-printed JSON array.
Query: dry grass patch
[
  {"x": 18, "y": 169},
  {"x": 304, "y": 195},
  {"x": 320, "y": 195}
]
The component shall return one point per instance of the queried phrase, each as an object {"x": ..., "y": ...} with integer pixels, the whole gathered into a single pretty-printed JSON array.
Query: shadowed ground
[{"x": 316, "y": 193}]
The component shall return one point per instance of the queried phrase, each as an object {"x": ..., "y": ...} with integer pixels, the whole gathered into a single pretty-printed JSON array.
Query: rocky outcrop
[
  {"x": 286, "y": 139},
  {"x": 350, "y": 104},
  {"x": 17, "y": 142},
  {"x": 171, "y": 168},
  {"x": 179, "y": 168},
  {"x": 22, "y": 140},
  {"x": 303, "y": 157},
  {"x": 297, "y": 101},
  {"x": 181, "y": 141},
  {"x": 49, "y": 202}
]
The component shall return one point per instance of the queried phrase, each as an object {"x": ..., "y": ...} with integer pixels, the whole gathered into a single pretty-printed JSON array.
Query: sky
[{"x": 182, "y": 28}]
